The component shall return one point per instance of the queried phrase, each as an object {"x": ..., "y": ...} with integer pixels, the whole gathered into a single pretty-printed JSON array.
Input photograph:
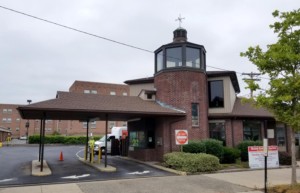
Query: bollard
[{"x": 99, "y": 156}]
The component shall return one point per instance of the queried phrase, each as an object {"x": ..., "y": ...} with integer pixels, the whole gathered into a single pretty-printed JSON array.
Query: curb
[
  {"x": 100, "y": 166},
  {"x": 157, "y": 166},
  {"x": 36, "y": 166}
]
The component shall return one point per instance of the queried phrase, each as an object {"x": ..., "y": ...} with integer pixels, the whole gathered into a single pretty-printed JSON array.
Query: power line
[
  {"x": 77, "y": 30},
  {"x": 101, "y": 37}
]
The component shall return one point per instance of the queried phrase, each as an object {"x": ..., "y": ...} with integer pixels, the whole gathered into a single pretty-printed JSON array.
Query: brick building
[
  {"x": 11, "y": 119},
  {"x": 182, "y": 94}
]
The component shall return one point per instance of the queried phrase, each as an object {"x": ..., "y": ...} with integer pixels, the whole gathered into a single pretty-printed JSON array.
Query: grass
[
  {"x": 238, "y": 165},
  {"x": 285, "y": 189}
]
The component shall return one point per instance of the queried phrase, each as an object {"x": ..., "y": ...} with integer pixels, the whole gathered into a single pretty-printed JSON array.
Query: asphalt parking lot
[{"x": 16, "y": 161}]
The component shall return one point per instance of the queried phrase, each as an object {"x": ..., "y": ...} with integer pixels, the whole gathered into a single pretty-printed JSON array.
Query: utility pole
[{"x": 252, "y": 78}]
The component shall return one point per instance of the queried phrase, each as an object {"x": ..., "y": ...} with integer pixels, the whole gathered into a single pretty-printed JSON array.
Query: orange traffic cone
[{"x": 61, "y": 157}]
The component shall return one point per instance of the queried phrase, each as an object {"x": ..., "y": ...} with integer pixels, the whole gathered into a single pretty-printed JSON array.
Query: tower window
[
  {"x": 193, "y": 57},
  {"x": 159, "y": 61},
  {"x": 174, "y": 57}
]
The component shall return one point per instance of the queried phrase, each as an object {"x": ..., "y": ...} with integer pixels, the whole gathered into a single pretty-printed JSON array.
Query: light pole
[{"x": 27, "y": 124}]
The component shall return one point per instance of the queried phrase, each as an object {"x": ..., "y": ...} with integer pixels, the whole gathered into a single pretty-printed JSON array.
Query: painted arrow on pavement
[
  {"x": 76, "y": 177},
  {"x": 7, "y": 180},
  {"x": 139, "y": 173}
]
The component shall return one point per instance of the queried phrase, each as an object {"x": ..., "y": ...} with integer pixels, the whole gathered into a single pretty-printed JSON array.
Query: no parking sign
[{"x": 181, "y": 137}]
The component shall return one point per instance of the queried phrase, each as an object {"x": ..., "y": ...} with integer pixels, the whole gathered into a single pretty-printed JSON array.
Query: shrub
[
  {"x": 194, "y": 147},
  {"x": 54, "y": 139},
  {"x": 243, "y": 147},
  {"x": 285, "y": 158},
  {"x": 230, "y": 155},
  {"x": 214, "y": 147},
  {"x": 192, "y": 163}
]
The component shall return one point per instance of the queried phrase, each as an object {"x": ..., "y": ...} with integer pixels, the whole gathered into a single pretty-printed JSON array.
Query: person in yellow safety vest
[{"x": 92, "y": 143}]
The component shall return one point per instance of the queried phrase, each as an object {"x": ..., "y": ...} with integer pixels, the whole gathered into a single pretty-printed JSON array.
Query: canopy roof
[{"x": 79, "y": 106}]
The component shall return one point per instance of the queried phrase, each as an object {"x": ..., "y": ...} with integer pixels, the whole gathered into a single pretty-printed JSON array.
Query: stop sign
[{"x": 181, "y": 137}]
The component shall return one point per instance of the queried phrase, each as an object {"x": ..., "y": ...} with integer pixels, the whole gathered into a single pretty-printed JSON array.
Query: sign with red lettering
[
  {"x": 181, "y": 137},
  {"x": 257, "y": 156}
]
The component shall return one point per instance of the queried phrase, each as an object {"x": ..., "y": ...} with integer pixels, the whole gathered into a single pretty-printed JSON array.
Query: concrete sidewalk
[
  {"x": 232, "y": 182},
  {"x": 255, "y": 178}
]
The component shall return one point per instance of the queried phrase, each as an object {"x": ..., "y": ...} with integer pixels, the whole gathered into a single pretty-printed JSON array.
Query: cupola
[{"x": 180, "y": 54}]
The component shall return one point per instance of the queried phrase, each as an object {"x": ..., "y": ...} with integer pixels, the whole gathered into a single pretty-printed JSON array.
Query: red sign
[{"x": 181, "y": 137}]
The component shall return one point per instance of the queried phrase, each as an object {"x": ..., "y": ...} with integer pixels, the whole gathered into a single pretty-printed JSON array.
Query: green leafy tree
[{"x": 281, "y": 62}]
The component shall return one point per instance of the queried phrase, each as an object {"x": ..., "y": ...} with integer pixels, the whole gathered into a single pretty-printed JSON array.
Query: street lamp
[{"x": 27, "y": 123}]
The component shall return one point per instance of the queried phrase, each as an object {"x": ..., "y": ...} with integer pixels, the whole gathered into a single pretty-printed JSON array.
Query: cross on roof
[{"x": 179, "y": 19}]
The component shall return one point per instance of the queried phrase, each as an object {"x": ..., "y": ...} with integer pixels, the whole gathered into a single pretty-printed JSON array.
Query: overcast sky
[{"x": 37, "y": 58}]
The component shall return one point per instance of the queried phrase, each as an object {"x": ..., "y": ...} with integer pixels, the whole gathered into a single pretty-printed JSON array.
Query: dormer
[
  {"x": 222, "y": 90},
  {"x": 148, "y": 95}
]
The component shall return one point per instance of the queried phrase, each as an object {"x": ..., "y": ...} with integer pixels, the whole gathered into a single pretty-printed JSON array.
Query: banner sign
[{"x": 257, "y": 157}]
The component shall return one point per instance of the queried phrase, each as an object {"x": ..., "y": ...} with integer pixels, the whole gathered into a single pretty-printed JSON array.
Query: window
[
  {"x": 174, "y": 57},
  {"x": 17, "y": 129},
  {"x": 9, "y": 111},
  {"x": 137, "y": 139},
  {"x": 94, "y": 92},
  {"x": 125, "y": 94},
  {"x": 4, "y": 111},
  {"x": 159, "y": 61},
  {"x": 280, "y": 136},
  {"x": 17, "y": 119},
  {"x": 112, "y": 93},
  {"x": 8, "y": 120},
  {"x": 252, "y": 130},
  {"x": 216, "y": 94},
  {"x": 4, "y": 120},
  {"x": 91, "y": 126},
  {"x": 195, "y": 114},
  {"x": 86, "y": 91},
  {"x": 193, "y": 57},
  {"x": 217, "y": 131}
]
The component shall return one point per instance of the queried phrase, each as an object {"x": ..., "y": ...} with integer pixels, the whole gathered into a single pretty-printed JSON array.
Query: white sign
[
  {"x": 181, "y": 137},
  {"x": 257, "y": 157}
]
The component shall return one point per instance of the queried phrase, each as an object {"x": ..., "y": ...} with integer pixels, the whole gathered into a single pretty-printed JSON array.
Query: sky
[{"x": 37, "y": 58}]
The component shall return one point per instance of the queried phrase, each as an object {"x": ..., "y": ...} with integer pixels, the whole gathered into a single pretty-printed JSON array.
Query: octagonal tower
[{"x": 180, "y": 81}]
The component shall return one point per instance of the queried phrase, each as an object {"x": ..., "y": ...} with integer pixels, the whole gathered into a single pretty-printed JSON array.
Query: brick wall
[{"x": 180, "y": 89}]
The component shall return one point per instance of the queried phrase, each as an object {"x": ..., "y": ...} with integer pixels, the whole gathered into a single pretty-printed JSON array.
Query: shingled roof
[
  {"x": 79, "y": 106},
  {"x": 244, "y": 109}
]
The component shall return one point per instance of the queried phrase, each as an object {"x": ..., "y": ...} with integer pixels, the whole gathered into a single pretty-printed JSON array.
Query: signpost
[
  {"x": 263, "y": 157},
  {"x": 181, "y": 137}
]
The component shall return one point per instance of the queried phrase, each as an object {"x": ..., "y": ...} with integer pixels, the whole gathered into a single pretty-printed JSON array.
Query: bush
[
  {"x": 194, "y": 147},
  {"x": 285, "y": 158},
  {"x": 230, "y": 155},
  {"x": 243, "y": 147},
  {"x": 54, "y": 139},
  {"x": 192, "y": 163},
  {"x": 214, "y": 147}
]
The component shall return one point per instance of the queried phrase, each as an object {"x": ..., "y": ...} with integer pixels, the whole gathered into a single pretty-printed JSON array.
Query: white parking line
[{"x": 79, "y": 152}]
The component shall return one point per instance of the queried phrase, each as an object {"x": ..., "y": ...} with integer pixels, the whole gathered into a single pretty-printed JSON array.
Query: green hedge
[
  {"x": 243, "y": 147},
  {"x": 58, "y": 139},
  {"x": 230, "y": 155},
  {"x": 191, "y": 163},
  {"x": 194, "y": 147},
  {"x": 209, "y": 146},
  {"x": 285, "y": 158}
]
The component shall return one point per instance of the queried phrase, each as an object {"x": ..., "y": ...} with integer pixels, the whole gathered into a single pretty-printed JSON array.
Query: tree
[{"x": 281, "y": 62}]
